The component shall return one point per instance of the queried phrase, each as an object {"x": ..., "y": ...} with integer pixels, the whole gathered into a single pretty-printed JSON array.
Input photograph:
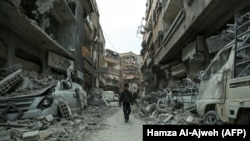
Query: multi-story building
[
  {"x": 131, "y": 64},
  {"x": 93, "y": 47},
  {"x": 48, "y": 36},
  {"x": 180, "y": 37},
  {"x": 114, "y": 75}
]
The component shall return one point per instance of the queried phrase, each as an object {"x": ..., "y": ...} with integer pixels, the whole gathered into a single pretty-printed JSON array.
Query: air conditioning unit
[{"x": 197, "y": 57}]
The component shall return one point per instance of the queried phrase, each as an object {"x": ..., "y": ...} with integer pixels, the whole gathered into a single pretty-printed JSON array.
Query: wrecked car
[
  {"x": 49, "y": 99},
  {"x": 110, "y": 98}
]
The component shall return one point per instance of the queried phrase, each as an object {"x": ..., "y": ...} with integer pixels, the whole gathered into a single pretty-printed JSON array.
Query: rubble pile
[
  {"x": 20, "y": 82},
  {"x": 32, "y": 83},
  {"x": 47, "y": 107},
  {"x": 51, "y": 128},
  {"x": 157, "y": 108}
]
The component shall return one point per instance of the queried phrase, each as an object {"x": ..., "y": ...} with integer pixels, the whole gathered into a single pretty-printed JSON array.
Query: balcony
[
  {"x": 112, "y": 80},
  {"x": 114, "y": 71},
  {"x": 171, "y": 9},
  {"x": 63, "y": 11},
  {"x": 28, "y": 29},
  {"x": 111, "y": 59}
]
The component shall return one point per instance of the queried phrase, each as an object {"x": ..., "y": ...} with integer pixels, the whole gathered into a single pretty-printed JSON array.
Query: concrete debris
[
  {"x": 4, "y": 136},
  {"x": 190, "y": 119},
  {"x": 37, "y": 125},
  {"x": 31, "y": 136},
  {"x": 44, "y": 134},
  {"x": 44, "y": 6},
  {"x": 82, "y": 127},
  {"x": 65, "y": 110},
  {"x": 10, "y": 81},
  {"x": 52, "y": 128},
  {"x": 49, "y": 118},
  {"x": 159, "y": 108},
  {"x": 168, "y": 118}
]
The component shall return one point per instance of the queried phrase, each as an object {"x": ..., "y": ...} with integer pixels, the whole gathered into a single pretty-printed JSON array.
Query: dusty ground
[{"x": 116, "y": 129}]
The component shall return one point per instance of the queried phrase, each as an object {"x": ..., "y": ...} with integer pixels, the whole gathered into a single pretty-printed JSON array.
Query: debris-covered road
[
  {"x": 51, "y": 128},
  {"x": 115, "y": 129}
]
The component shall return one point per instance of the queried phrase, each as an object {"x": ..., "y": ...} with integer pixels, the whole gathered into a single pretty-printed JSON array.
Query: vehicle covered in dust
[
  {"x": 42, "y": 96},
  {"x": 224, "y": 89}
]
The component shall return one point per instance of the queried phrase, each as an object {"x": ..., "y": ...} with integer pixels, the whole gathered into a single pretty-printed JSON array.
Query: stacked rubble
[
  {"x": 157, "y": 108},
  {"x": 63, "y": 126},
  {"x": 52, "y": 128}
]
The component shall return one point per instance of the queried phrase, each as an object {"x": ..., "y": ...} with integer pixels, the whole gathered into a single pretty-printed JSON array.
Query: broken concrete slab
[
  {"x": 31, "y": 136},
  {"x": 44, "y": 134},
  {"x": 4, "y": 136},
  {"x": 10, "y": 81},
  {"x": 190, "y": 119},
  {"x": 168, "y": 118},
  {"x": 49, "y": 118},
  {"x": 82, "y": 127},
  {"x": 44, "y": 6},
  {"x": 37, "y": 125}
]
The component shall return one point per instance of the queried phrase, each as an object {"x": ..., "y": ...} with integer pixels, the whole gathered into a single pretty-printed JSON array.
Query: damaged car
[{"x": 40, "y": 97}]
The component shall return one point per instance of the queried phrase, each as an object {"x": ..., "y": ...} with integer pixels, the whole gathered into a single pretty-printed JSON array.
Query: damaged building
[
  {"x": 131, "y": 64},
  {"x": 44, "y": 46},
  {"x": 48, "y": 36},
  {"x": 186, "y": 49},
  {"x": 114, "y": 75}
]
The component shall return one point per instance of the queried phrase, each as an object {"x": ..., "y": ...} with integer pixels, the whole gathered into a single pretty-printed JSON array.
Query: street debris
[
  {"x": 54, "y": 128},
  {"x": 45, "y": 107},
  {"x": 159, "y": 108}
]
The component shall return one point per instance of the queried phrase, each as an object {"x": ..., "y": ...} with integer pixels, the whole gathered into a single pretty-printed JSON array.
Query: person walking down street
[{"x": 126, "y": 99}]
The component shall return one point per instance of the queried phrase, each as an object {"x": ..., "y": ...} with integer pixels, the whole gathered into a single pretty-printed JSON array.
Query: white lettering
[
  {"x": 183, "y": 133},
  {"x": 151, "y": 132}
]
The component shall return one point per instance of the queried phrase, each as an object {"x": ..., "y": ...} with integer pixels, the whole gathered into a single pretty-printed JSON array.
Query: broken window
[
  {"x": 72, "y": 5},
  {"x": 27, "y": 7},
  {"x": 52, "y": 29},
  {"x": 216, "y": 65}
]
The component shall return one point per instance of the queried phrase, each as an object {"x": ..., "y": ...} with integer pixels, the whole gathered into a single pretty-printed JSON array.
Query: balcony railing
[
  {"x": 114, "y": 71},
  {"x": 112, "y": 59}
]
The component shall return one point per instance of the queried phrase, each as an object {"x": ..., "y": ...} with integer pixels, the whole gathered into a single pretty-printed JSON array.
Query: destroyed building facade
[
  {"x": 114, "y": 75},
  {"x": 198, "y": 54},
  {"x": 49, "y": 36},
  {"x": 44, "y": 46},
  {"x": 131, "y": 64},
  {"x": 181, "y": 37}
]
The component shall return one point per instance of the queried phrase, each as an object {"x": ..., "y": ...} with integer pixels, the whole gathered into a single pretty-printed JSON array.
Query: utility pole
[{"x": 93, "y": 73}]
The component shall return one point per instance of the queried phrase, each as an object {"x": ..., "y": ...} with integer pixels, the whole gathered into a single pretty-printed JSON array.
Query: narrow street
[
  {"x": 115, "y": 128},
  {"x": 66, "y": 65}
]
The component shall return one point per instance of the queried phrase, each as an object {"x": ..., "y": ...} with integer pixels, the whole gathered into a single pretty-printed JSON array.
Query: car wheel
[{"x": 211, "y": 118}]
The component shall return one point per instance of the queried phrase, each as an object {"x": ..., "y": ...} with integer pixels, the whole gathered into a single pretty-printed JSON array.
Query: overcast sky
[{"x": 119, "y": 20}]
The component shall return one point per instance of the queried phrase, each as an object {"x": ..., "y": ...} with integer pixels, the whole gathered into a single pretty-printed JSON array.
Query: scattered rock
[
  {"x": 31, "y": 136},
  {"x": 44, "y": 134},
  {"x": 4, "y": 136},
  {"x": 190, "y": 119},
  {"x": 168, "y": 118},
  {"x": 37, "y": 125},
  {"x": 82, "y": 127},
  {"x": 49, "y": 118}
]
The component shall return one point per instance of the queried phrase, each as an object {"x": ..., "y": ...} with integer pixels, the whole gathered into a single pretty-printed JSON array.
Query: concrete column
[{"x": 11, "y": 50}]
